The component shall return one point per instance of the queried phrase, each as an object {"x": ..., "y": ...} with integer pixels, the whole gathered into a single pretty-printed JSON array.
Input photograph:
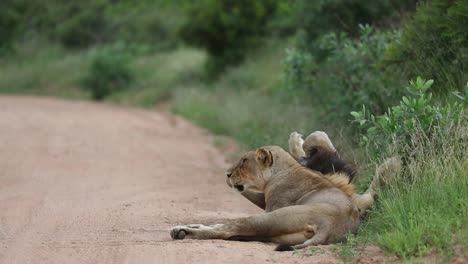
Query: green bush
[
  {"x": 435, "y": 43},
  {"x": 83, "y": 24},
  {"x": 227, "y": 29},
  {"x": 415, "y": 113},
  {"x": 316, "y": 18},
  {"x": 110, "y": 71},
  {"x": 153, "y": 23},
  {"x": 349, "y": 77},
  {"x": 9, "y": 23},
  {"x": 423, "y": 209}
]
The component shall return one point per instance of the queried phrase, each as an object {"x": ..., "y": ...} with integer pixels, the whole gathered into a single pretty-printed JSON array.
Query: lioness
[{"x": 303, "y": 207}]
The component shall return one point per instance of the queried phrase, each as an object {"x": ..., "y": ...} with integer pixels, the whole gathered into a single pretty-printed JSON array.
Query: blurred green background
[{"x": 257, "y": 70}]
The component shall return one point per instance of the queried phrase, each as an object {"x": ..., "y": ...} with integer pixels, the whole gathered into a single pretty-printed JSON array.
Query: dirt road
[{"x": 89, "y": 183}]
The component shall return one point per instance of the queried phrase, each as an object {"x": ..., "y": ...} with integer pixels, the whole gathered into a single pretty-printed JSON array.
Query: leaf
[
  {"x": 421, "y": 102},
  {"x": 419, "y": 82},
  {"x": 412, "y": 90},
  {"x": 371, "y": 131},
  {"x": 459, "y": 95},
  {"x": 427, "y": 85},
  {"x": 406, "y": 100},
  {"x": 357, "y": 115}
]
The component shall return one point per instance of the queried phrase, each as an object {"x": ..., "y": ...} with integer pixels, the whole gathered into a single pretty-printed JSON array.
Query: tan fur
[
  {"x": 341, "y": 181},
  {"x": 318, "y": 139},
  {"x": 303, "y": 207}
]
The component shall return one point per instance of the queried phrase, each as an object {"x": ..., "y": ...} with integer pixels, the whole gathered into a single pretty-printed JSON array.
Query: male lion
[{"x": 303, "y": 207}]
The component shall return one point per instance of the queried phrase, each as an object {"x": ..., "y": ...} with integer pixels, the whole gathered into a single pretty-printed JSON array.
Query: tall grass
[
  {"x": 242, "y": 104},
  {"x": 159, "y": 75},
  {"x": 45, "y": 71},
  {"x": 250, "y": 118},
  {"x": 425, "y": 208},
  {"x": 50, "y": 70}
]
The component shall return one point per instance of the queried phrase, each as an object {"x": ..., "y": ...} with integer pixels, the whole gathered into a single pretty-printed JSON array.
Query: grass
[
  {"x": 245, "y": 105},
  {"x": 51, "y": 71},
  {"x": 424, "y": 210},
  {"x": 159, "y": 75},
  {"x": 48, "y": 71},
  {"x": 260, "y": 120}
]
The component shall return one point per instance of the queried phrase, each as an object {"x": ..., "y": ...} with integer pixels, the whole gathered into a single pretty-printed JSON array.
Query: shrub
[
  {"x": 435, "y": 43},
  {"x": 83, "y": 24},
  {"x": 154, "y": 23},
  {"x": 422, "y": 209},
  {"x": 415, "y": 114},
  {"x": 316, "y": 18},
  {"x": 9, "y": 23},
  {"x": 349, "y": 77},
  {"x": 110, "y": 71},
  {"x": 227, "y": 29}
]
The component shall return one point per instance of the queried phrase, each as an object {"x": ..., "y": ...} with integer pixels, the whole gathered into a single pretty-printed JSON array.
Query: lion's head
[{"x": 254, "y": 168}]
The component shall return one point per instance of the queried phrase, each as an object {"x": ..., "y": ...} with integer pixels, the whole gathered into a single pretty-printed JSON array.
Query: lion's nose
[{"x": 229, "y": 174}]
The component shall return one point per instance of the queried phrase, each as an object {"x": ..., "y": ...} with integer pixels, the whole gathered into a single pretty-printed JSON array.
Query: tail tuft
[{"x": 284, "y": 247}]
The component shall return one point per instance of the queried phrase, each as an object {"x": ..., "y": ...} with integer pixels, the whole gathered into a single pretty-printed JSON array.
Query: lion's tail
[{"x": 341, "y": 181}]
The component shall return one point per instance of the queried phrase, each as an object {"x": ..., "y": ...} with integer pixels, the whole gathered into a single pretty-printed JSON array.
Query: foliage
[
  {"x": 261, "y": 120},
  {"x": 153, "y": 23},
  {"x": 424, "y": 209},
  {"x": 9, "y": 23},
  {"x": 415, "y": 113},
  {"x": 347, "y": 250},
  {"x": 110, "y": 71},
  {"x": 228, "y": 29},
  {"x": 349, "y": 77},
  {"x": 183, "y": 68},
  {"x": 316, "y": 18},
  {"x": 435, "y": 43},
  {"x": 82, "y": 24}
]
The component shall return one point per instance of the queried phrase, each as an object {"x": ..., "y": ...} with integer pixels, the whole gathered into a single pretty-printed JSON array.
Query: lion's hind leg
[
  {"x": 318, "y": 139},
  {"x": 318, "y": 237},
  {"x": 389, "y": 169}
]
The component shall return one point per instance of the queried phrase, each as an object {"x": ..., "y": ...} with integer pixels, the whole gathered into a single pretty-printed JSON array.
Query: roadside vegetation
[{"x": 381, "y": 78}]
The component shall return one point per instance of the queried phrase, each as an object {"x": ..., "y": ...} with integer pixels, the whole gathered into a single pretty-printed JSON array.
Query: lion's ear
[{"x": 264, "y": 157}]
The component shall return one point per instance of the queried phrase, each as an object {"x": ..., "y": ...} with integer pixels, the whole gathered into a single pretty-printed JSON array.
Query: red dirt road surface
[{"x": 90, "y": 183}]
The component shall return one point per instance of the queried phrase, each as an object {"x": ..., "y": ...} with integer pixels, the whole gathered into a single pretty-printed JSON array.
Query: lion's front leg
[
  {"x": 295, "y": 145},
  {"x": 198, "y": 231},
  {"x": 245, "y": 228}
]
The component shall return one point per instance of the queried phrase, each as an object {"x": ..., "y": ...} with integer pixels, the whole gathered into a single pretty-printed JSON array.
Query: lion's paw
[
  {"x": 295, "y": 145},
  {"x": 295, "y": 137},
  {"x": 178, "y": 232}
]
